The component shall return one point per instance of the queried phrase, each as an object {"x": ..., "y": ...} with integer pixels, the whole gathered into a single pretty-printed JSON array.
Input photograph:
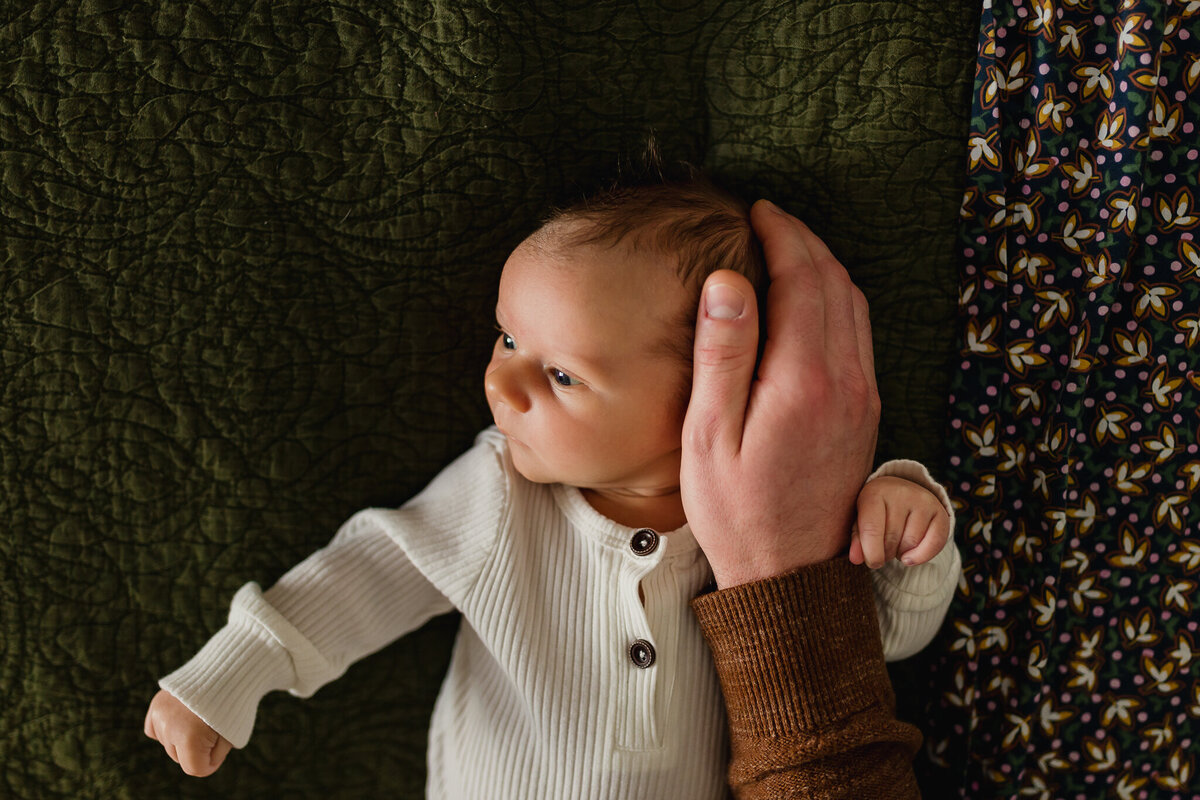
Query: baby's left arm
[{"x": 898, "y": 518}]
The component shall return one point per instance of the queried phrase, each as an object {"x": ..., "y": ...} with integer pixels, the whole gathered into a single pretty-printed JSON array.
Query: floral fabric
[{"x": 1067, "y": 668}]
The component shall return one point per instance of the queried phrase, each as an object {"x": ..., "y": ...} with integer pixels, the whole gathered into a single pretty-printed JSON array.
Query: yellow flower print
[
  {"x": 1109, "y": 128},
  {"x": 1188, "y": 555},
  {"x": 1166, "y": 511},
  {"x": 1136, "y": 350},
  {"x": 1180, "y": 776},
  {"x": 1159, "y": 736},
  {"x": 982, "y": 151},
  {"x": 1053, "y": 110},
  {"x": 1026, "y": 157},
  {"x": 1179, "y": 594},
  {"x": 1161, "y": 388},
  {"x": 1124, "y": 211},
  {"x": 1133, "y": 549},
  {"x": 1019, "y": 730},
  {"x": 1140, "y": 630},
  {"x": 1153, "y": 299},
  {"x": 1126, "y": 476},
  {"x": 1111, "y": 424},
  {"x": 1025, "y": 213},
  {"x": 1030, "y": 398},
  {"x": 1084, "y": 678},
  {"x": 1129, "y": 787},
  {"x": 1098, "y": 270},
  {"x": 1128, "y": 34},
  {"x": 1095, "y": 78},
  {"x": 1053, "y": 441},
  {"x": 1184, "y": 652},
  {"x": 1121, "y": 710},
  {"x": 1159, "y": 675},
  {"x": 1028, "y": 267},
  {"x": 1025, "y": 544},
  {"x": 1191, "y": 256},
  {"x": 1041, "y": 22},
  {"x": 1005, "y": 81},
  {"x": 1058, "y": 308},
  {"x": 999, "y": 591},
  {"x": 1014, "y": 458},
  {"x": 1081, "y": 174},
  {"x": 1021, "y": 356},
  {"x": 1071, "y": 39},
  {"x": 1051, "y": 716},
  {"x": 1163, "y": 121},
  {"x": 979, "y": 340},
  {"x": 1164, "y": 446},
  {"x": 1191, "y": 76},
  {"x": 1103, "y": 754},
  {"x": 1074, "y": 234},
  {"x": 1176, "y": 214},
  {"x": 1192, "y": 471},
  {"x": 982, "y": 439},
  {"x": 1083, "y": 592}
]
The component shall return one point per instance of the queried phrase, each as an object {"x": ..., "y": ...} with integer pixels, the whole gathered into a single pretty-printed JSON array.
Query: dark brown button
[
  {"x": 641, "y": 653},
  {"x": 644, "y": 542}
]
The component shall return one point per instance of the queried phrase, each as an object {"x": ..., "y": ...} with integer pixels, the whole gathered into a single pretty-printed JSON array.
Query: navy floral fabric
[{"x": 1067, "y": 668}]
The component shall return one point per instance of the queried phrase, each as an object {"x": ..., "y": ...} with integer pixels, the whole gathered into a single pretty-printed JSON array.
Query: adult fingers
[
  {"x": 795, "y": 305},
  {"x": 723, "y": 366}
]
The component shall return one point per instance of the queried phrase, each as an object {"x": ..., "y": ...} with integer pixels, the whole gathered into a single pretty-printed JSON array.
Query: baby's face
[{"x": 579, "y": 381}]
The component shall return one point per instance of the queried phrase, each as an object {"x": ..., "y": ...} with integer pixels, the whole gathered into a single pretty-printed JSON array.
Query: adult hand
[{"x": 772, "y": 466}]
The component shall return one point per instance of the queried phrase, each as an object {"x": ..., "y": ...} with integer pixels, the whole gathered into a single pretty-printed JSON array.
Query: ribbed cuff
[
  {"x": 224, "y": 682},
  {"x": 797, "y": 651}
]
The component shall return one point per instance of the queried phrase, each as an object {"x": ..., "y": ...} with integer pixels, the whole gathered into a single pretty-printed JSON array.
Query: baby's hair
[{"x": 683, "y": 216}]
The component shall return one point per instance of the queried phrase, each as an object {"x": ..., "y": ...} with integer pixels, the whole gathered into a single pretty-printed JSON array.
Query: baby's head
[{"x": 591, "y": 373}]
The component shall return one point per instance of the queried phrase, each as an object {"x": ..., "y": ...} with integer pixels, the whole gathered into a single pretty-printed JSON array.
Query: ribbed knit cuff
[
  {"x": 224, "y": 682},
  {"x": 797, "y": 651}
]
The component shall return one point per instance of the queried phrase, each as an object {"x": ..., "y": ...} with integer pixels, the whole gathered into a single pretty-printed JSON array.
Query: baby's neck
[{"x": 662, "y": 512}]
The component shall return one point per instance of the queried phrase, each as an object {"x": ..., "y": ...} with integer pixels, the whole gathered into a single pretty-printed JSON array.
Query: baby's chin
[{"x": 527, "y": 465}]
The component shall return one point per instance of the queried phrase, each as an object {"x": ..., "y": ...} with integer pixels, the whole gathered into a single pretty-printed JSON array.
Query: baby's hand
[
  {"x": 898, "y": 518},
  {"x": 187, "y": 739}
]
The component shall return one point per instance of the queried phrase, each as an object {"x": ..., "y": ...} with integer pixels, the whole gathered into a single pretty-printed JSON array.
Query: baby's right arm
[
  {"x": 384, "y": 574},
  {"x": 190, "y": 743}
]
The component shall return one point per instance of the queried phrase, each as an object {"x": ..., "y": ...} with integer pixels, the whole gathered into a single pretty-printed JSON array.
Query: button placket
[{"x": 641, "y": 725}]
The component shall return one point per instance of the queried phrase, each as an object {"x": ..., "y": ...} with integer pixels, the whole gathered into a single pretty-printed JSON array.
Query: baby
[{"x": 579, "y": 670}]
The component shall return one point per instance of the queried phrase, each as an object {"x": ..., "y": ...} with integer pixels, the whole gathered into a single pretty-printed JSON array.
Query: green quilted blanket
[{"x": 248, "y": 254}]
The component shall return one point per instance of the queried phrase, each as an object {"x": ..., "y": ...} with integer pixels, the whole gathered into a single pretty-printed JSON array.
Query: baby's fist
[
  {"x": 188, "y": 740},
  {"x": 898, "y": 519}
]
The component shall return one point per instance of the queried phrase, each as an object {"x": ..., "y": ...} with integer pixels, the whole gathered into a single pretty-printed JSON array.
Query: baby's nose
[{"x": 504, "y": 383}]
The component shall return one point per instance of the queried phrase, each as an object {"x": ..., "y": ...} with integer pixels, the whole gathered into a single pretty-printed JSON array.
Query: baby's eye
[
  {"x": 507, "y": 342},
  {"x": 562, "y": 378}
]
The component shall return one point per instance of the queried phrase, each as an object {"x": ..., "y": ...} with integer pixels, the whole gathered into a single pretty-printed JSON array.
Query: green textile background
[{"x": 248, "y": 253}]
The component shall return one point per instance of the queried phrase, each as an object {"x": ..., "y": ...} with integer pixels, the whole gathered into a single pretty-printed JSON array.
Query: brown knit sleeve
[{"x": 811, "y": 708}]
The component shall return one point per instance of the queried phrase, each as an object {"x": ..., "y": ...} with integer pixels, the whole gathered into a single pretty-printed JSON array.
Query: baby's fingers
[
  {"x": 200, "y": 757},
  {"x": 871, "y": 536},
  {"x": 929, "y": 542}
]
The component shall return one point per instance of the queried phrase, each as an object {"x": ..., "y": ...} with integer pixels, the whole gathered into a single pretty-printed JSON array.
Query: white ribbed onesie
[{"x": 542, "y": 698}]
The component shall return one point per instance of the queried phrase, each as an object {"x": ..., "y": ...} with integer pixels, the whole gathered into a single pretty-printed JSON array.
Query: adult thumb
[{"x": 723, "y": 362}]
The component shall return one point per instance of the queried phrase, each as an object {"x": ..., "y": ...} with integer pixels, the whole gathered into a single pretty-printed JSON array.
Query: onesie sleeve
[
  {"x": 912, "y": 601},
  {"x": 385, "y": 573}
]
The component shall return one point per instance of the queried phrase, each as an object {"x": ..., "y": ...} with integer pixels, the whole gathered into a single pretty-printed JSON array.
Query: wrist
[{"x": 741, "y": 567}]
